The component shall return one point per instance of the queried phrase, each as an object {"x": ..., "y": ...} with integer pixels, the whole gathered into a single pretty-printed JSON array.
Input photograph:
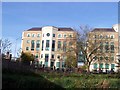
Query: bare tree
[
  {"x": 6, "y": 45},
  {"x": 90, "y": 46},
  {"x": 70, "y": 52}
]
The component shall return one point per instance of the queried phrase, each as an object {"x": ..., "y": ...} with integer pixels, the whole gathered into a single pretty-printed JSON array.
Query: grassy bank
[{"x": 57, "y": 80}]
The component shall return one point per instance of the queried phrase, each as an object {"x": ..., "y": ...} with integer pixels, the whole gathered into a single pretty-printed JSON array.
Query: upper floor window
[
  {"x": 37, "y": 45},
  {"x": 107, "y": 66},
  {"x": 27, "y": 48},
  {"x": 36, "y": 56},
  {"x": 32, "y": 45},
  {"x": 53, "y": 35},
  {"x": 106, "y": 58},
  {"x": 107, "y": 36},
  {"x": 70, "y": 43},
  {"x": 33, "y": 35},
  {"x": 101, "y": 58},
  {"x": 48, "y": 34},
  {"x": 112, "y": 58},
  {"x": 106, "y": 47},
  {"x": 58, "y": 56},
  {"x": 52, "y": 56},
  {"x": 53, "y": 45},
  {"x": 101, "y": 36},
  {"x": 70, "y": 35},
  {"x": 47, "y": 44},
  {"x": 28, "y": 35},
  {"x": 65, "y": 35},
  {"x": 41, "y": 55},
  {"x": 112, "y": 47},
  {"x": 96, "y": 36},
  {"x": 28, "y": 41},
  {"x": 59, "y": 44},
  {"x": 42, "y": 45},
  {"x": 59, "y": 35},
  {"x": 38, "y": 35},
  {"x": 112, "y": 36}
]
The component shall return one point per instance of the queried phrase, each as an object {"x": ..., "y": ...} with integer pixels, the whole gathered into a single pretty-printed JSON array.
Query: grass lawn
[{"x": 57, "y": 80}]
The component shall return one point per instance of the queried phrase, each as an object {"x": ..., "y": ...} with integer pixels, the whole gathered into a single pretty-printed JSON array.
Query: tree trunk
[{"x": 88, "y": 69}]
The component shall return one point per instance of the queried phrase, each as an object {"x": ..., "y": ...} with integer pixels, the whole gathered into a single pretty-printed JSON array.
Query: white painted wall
[{"x": 45, "y": 30}]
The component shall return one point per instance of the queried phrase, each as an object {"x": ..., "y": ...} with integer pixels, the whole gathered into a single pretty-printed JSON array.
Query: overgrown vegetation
[
  {"x": 59, "y": 80},
  {"x": 26, "y": 57}
]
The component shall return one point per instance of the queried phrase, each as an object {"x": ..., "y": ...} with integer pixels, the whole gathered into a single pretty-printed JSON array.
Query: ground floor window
[
  {"x": 57, "y": 64},
  {"x": 95, "y": 65},
  {"x": 107, "y": 66},
  {"x": 46, "y": 64},
  {"x": 41, "y": 62},
  {"x": 101, "y": 65},
  {"x": 112, "y": 66},
  {"x": 52, "y": 64},
  {"x": 63, "y": 64}
]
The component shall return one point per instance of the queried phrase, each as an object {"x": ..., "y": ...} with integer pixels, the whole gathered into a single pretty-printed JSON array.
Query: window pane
[
  {"x": 58, "y": 64},
  {"x": 64, "y": 45},
  {"x": 28, "y": 35},
  {"x": 59, "y": 44},
  {"x": 112, "y": 58},
  {"x": 65, "y": 36},
  {"x": 95, "y": 66},
  {"x": 112, "y": 66},
  {"x": 32, "y": 45},
  {"x": 53, "y": 45},
  {"x": 33, "y": 35},
  {"x": 36, "y": 55},
  {"x": 53, "y": 35},
  {"x": 42, "y": 44},
  {"x": 101, "y": 65},
  {"x": 38, "y": 35},
  {"x": 59, "y": 35},
  {"x": 37, "y": 45},
  {"x": 52, "y": 56},
  {"x": 28, "y": 41},
  {"x": 47, "y": 45},
  {"x": 107, "y": 66},
  {"x": 46, "y": 57},
  {"x": 27, "y": 48},
  {"x": 101, "y": 58},
  {"x": 63, "y": 64},
  {"x": 70, "y": 35},
  {"x": 41, "y": 55},
  {"x": 46, "y": 64}
]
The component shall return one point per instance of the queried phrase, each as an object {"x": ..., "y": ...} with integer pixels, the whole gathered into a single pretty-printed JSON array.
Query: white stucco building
[{"x": 47, "y": 44}]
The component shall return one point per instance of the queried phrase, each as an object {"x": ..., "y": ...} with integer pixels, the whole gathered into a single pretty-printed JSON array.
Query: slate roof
[
  {"x": 103, "y": 30},
  {"x": 59, "y": 29}
]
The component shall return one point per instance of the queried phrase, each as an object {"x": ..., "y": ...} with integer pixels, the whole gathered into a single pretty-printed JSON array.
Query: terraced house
[
  {"x": 106, "y": 55},
  {"x": 48, "y": 44}
]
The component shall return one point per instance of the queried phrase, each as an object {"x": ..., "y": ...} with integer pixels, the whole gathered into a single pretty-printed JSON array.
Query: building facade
[
  {"x": 116, "y": 27},
  {"x": 106, "y": 55},
  {"x": 47, "y": 44}
]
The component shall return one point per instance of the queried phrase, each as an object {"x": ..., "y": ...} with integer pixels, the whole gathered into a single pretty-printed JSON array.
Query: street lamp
[{"x": 16, "y": 47}]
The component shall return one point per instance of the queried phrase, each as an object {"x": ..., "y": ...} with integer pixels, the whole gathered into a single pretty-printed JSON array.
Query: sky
[{"x": 20, "y": 16}]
